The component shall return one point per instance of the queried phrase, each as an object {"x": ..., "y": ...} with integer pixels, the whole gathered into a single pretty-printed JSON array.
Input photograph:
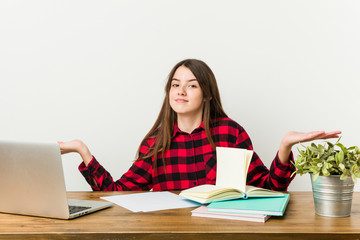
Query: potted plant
[{"x": 333, "y": 169}]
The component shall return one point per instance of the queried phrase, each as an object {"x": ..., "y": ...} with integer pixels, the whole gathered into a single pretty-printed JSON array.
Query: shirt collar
[{"x": 177, "y": 130}]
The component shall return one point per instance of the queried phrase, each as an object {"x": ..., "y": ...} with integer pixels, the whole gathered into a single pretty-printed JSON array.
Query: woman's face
[{"x": 186, "y": 96}]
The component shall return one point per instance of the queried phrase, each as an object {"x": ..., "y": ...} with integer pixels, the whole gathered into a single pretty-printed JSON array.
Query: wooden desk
[{"x": 299, "y": 222}]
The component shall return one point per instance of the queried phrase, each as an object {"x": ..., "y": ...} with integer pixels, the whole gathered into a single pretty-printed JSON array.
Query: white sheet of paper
[{"x": 150, "y": 201}]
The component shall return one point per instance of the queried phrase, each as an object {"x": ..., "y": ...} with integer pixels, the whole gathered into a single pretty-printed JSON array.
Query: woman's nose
[{"x": 182, "y": 91}]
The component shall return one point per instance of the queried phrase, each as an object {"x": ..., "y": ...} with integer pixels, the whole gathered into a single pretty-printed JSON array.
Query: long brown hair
[{"x": 163, "y": 127}]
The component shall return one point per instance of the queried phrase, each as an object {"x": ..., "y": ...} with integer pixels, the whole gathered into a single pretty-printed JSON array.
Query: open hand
[
  {"x": 292, "y": 138},
  {"x": 76, "y": 146},
  {"x": 71, "y": 146}
]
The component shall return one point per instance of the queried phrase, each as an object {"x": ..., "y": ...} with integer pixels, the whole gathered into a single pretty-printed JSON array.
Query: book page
[
  {"x": 232, "y": 167},
  {"x": 256, "y": 192},
  {"x": 205, "y": 191}
]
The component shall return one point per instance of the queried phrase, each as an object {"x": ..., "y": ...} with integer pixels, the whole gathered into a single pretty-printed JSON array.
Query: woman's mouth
[{"x": 180, "y": 100}]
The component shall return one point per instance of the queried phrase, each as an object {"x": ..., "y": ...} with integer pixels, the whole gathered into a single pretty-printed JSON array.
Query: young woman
[{"x": 179, "y": 151}]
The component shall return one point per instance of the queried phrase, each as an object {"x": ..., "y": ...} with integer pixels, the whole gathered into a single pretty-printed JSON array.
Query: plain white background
[{"x": 96, "y": 70}]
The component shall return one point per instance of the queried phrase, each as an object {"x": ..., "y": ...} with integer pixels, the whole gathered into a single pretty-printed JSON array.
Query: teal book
[{"x": 274, "y": 206}]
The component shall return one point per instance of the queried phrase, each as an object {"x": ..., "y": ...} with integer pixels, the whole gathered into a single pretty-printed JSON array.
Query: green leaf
[
  {"x": 301, "y": 163},
  {"x": 315, "y": 177},
  {"x": 342, "y": 166},
  {"x": 354, "y": 178},
  {"x": 357, "y": 174},
  {"x": 325, "y": 170},
  {"x": 321, "y": 149},
  {"x": 313, "y": 169},
  {"x": 341, "y": 146},
  {"x": 314, "y": 149},
  {"x": 330, "y": 145},
  {"x": 357, "y": 150},
  {"x": 355, "y": 168},
  {"x": 338, "y": 140},
  {"x": 343, "y": 176},
  {"x": 303, "y": 145},
  {"x": 341, "y": 156}
]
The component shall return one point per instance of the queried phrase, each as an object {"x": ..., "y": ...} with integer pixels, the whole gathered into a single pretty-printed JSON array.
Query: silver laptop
[{"x": 32, "y": 182}]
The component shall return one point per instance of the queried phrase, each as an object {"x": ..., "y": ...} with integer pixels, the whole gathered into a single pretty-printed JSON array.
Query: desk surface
[{"x": 299, "y": 222}]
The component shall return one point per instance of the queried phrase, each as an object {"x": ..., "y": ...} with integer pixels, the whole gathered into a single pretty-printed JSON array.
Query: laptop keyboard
[{"x": 75, "y": 209}]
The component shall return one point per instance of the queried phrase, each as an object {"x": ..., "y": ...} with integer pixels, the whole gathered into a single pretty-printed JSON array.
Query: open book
[{"x": 232, "y": 168}]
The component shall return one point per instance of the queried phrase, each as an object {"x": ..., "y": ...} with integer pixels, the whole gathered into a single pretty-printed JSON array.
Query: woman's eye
[
  {"x": 192, "y": 86},
  {"x": 175, "y": 85}
]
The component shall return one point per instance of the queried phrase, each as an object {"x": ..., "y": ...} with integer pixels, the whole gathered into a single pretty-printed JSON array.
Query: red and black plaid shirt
[{"x": 190, "y": 162}]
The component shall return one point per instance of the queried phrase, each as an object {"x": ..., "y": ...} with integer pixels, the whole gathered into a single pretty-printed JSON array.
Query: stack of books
[
  {"x": 251, "y": 209},
  {"x": 204, "y": 212},
  {"x": 231, "y": 198}
]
